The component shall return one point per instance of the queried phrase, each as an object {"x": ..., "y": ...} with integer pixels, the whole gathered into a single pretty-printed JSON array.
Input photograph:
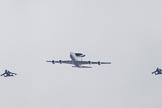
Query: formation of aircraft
[
  {"x": 157, "y": 71},
  {"x": 8, "y": 74},
  {"x": 76, "y": 62}
]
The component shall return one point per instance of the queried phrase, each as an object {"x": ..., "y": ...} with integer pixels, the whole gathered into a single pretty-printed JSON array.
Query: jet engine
[
  {"x": 89, "y": 62},
  {"x": 99, "y": 63},
  {"x": 60, "y": 61},
  {"x": 53, "y": 62}
]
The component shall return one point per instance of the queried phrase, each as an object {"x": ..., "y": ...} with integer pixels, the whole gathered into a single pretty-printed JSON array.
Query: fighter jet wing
[
  {"x": 3, "y": 74},
  {"x": 61, "y": 61},
  {"x": 91, "y": 62}
]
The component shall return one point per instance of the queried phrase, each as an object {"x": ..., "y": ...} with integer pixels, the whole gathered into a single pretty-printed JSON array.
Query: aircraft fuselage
[{"x": 74, "y": 59}]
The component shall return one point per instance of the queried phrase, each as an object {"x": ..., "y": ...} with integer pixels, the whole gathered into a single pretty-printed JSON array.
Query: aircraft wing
[
  {"x": 91, "y": 62},
  {"x": 61, "y": 61},
  {"x": 2, "y": 74}
]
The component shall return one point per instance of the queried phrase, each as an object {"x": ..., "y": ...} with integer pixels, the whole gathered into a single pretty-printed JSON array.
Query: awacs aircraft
[
  {"x": 157, "y": 71},
  {"x": 8, "y": 73},
  {"x": 76, "y": 62}
]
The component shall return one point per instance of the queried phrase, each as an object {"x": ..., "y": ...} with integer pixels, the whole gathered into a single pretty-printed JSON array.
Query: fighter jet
[
  {"x": 77, "y": 62},
  {"x": 157, "y": 71},
  {"x": 8, "y": 74}
]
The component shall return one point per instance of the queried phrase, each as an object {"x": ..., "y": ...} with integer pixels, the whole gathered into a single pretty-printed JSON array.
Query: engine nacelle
[
  {"x": 53, "y": 62},
  {"x": 60, "y": 61},
  {"x": 89, "y": 62},
  {"x": 99, "y": 63}
]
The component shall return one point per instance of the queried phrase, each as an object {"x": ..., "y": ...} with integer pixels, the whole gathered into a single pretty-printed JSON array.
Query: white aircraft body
[{"x": 78, "y": 63}]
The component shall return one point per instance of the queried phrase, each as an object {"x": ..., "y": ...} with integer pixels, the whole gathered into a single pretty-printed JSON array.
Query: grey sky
[{"x": 127, "y": 33}]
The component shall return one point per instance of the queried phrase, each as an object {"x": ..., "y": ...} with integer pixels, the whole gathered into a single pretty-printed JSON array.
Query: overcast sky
[{"x": 124, "y": 32}]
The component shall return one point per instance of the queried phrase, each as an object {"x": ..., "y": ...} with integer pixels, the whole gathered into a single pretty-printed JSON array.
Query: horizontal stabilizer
[{"x": 82, "y": 66}]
